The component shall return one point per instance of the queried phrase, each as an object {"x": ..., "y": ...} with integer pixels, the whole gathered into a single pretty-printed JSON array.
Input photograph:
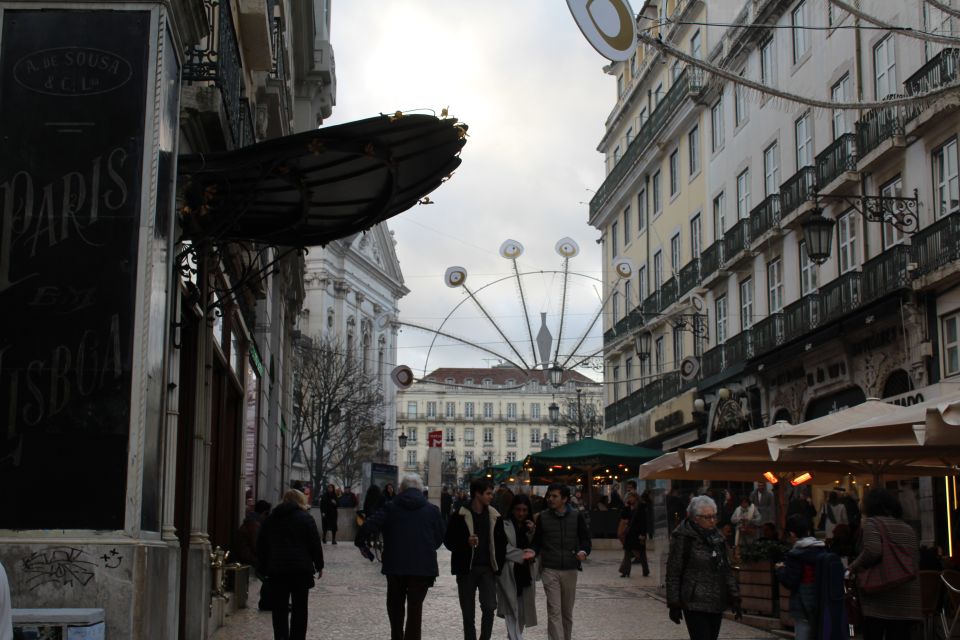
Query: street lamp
[
  {"x": 817, "y": 234},
  {"x": 641, "y": 344},
  {"x": 403, "y": 439},
  {"x": 556, "y": 375},
  {"x": 554, "y": 412}
]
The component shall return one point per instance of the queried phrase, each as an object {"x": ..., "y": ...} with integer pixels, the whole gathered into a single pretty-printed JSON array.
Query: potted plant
[{"x": 758, "y": 585}]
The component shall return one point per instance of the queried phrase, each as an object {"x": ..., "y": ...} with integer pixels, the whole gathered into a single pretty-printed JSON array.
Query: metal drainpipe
[{"x": 858, "y": 72}]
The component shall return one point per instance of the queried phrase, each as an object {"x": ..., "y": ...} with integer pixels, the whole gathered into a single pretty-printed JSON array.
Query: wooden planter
[
  {"x": 757, "y": 588},
  {"x": 785, "y": 618}
]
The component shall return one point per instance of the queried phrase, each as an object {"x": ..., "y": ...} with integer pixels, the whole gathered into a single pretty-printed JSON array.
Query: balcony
[
  {"x": 653, "y": 126},
  {"x": 651, "y": 306},
  {"x": 885, "y": 274},
  {"x": 689, "y": 277},
  {"x": 937, "y": 245},
  {"x": 712, "y": 361},
  {"x": 218, "y": 61},
  {"x": 840, "y": 296},
  {"x": 739, "y": 348},
  {"x": 768, "y": 333},
  {"x": 838, "y": 162},
  {"x": 940, "y": 70},
  {"x": 625, "y": 325},
  {"x": 796, "y": 191},
  {"x": 880, "y": 127},
  {"x": 765, "y": 216},
  {"x": 668, "y": 293},
  {"x": 801, "y": 317},
  {"x": 736, "y": 240},
  {"x": 711, "y": 259}
]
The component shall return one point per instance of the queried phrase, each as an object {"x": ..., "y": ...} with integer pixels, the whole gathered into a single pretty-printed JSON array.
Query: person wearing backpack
[
  {"x": 887, "y": 570},
  {"x": 798, "y": 574}
]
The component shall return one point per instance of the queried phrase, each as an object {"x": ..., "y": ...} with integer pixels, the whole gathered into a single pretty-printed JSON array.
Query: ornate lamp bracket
[{"x": 898, "y": 212}]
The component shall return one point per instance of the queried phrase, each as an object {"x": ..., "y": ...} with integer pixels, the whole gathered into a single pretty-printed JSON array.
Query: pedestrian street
[{"x": 348, "y": 603}]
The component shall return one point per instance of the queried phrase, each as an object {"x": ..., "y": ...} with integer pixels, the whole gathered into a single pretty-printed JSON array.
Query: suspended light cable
[
  {"x": 915, "y": 100},
  {"x": 913, "y": 33},
  {"x": 947, "y": 9}
]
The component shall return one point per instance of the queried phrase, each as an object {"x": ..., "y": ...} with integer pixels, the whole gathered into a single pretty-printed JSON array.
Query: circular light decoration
[
  {"x": 697, "y": 303},
  {"x": 382, "y": 321},
  {"x": 511, "y": 249},
  {"x": 689, "y": 368},
  {"x": 402, "y": 376},
  {"x": 455, "y": 277},
  {"x": 608, "y": 25},
  {"x": 567, "y": 247},
  {"x": 623, "y": 267}
]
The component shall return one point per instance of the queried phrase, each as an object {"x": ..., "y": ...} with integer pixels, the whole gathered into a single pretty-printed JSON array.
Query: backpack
[{"x": 831, "y": 609}]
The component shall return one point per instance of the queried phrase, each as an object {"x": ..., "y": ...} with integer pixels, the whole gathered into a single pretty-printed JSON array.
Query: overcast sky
[{"x": 535, "y": 97}]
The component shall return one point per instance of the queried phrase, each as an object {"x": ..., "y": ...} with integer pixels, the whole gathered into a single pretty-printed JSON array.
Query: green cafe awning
[{"x": 591, "y": 453}]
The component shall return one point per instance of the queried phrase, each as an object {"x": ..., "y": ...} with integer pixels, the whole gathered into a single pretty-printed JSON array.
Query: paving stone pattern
[{"x": 348, "y": 603}]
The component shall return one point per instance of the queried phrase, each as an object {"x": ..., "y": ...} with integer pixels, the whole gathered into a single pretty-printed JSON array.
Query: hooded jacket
[
  {"x": 460, "y": 528},
  {"x": 699, "y": 575},
  {"x": 412, "y": 531},
  {"x": 289, "y": 543},
  {"x": 798, "y": 575}
]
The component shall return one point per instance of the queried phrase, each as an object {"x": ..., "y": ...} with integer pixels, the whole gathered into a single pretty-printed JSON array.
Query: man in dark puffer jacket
[
  {"x": 289, "y": 551},
  {"x": 700, "y": 581}
]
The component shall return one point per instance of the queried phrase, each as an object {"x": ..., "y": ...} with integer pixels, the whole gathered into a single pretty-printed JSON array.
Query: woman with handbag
[
  {"x": 887, "y": 570},
  {"x": 516, "y": 595}
]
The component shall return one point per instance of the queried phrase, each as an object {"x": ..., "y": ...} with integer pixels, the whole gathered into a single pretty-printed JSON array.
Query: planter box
[
  {"x": 756, "y": 583},
  {"x": 785, "y": 618}
]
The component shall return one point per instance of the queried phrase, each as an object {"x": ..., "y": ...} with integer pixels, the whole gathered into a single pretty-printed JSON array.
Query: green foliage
[{"x": 763, "y": 550}]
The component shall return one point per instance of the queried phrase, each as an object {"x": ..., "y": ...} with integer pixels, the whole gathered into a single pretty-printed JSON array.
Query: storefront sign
[
  {"x": 72, "y": 110},
  {"x": 435, "y": 439}
]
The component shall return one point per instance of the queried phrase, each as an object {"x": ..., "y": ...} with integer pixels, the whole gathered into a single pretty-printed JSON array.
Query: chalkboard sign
[{"x": 72, "y": 107}]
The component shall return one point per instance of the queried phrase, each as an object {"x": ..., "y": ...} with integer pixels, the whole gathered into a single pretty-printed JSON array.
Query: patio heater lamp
[
  {"x": 817, "y": 234},
  {"x": 403, "y": 439}
]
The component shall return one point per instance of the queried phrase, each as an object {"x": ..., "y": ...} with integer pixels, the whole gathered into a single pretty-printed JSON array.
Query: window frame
[
  {"x": 947, "y": 182},
  {"x": 775, "y": 287},
  {"x": 887, "y": 44},
  {"x": 746, "y": 303},
  {"x": 771, "y": 170},
  {"x": 743, "y": 194},
  {"x": 798, "y": 20},
  {"x": 804, "y": 145},
  {"x": 716, "y": 125},
  {"x": 720, "y": 319},
  {"x": 949, "y": 345},
  {"x": 674, "y": 163},
  {"x": 848, "y": 258},
  {"x": 693, "y": 150}
]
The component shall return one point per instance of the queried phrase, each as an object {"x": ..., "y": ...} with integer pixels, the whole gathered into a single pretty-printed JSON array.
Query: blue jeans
[{"x": 480, "y": 579}]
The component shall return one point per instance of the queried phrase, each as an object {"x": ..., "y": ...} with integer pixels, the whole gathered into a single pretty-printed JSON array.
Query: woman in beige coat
[{"x": 515, "y": 594}]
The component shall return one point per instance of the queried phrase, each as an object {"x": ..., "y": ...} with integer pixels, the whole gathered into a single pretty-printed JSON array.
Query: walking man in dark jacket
[
  {"x": 412, "y": 531},
  {"x": 289, "y": 551},
  {"x": 562, "y": 540},
  {"x": 478, "y": 548}
]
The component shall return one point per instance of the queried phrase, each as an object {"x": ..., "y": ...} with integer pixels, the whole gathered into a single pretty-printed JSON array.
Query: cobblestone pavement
[{"x": 349, "y": 603}]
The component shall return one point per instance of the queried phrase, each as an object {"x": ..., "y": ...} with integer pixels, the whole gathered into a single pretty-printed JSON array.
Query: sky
[{"x": 534, "y": 95}]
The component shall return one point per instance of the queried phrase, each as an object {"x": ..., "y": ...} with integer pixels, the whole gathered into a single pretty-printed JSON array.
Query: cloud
[{"x": 533, "y": 93}]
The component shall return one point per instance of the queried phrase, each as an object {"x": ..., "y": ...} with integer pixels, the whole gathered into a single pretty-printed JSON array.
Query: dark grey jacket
[
  {"x": 557, "y": 539},
  {"x": 699, "y": 575}
]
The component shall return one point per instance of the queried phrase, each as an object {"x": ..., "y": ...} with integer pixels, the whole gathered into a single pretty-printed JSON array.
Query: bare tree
[{"x": 337, "y": 409}]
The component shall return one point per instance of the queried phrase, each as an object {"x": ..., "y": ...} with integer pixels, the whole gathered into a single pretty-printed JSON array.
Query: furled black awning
[{"x": 314, "y": 187}]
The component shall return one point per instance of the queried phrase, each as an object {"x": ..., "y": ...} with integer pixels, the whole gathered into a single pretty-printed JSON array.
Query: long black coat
[
  {"x": 328, "y": 511},
  {"x": 289, "y": 543},
  {"x": 412, "y": 530}
]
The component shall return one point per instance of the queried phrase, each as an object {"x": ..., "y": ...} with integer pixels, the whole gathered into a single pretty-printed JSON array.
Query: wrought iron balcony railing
[
  {"x": 664, "y": 111},
  {"x": 802, "y": 316},
  {"x": 625, "y": 325},
  {"x": 668, "y": 293},
  {"x": 218, "y": 61},
  {"x": 886, "y": 273},
  {"x": 839, "y": 156},
  {"x": 736, "y": 239},
  {"x": 739, "y": 347},
  {"x": 936, "y": 245},
  {"x": 765, "y": 216},
  {"x": 941, "y": 69},
  {"x": 689, "y": 277},
  {"x": 839, "y": 296},
  {"x": 797, "y": 190},
  {"x": 711, "y": 259},
  {"x": 651, "y": 306},
  {"x": 881, "y": 124},
  {"x": 712, "y": 361},
  {"x": 768, "y": 333}
]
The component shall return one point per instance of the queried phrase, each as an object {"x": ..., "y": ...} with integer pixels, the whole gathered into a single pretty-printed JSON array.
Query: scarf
[
  {"x": 521, "y": 570},
  {"x": 714, "y": 539}
]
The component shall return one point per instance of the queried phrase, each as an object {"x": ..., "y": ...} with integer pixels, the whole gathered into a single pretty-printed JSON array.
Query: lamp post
[
  {"x": 402, "y": 439},
  {"x": 817, "y": 233},
  {"x": 556, "y": 375}
]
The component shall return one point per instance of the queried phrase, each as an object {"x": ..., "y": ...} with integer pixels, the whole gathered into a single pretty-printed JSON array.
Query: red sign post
[{"x": 435, "y": 439}]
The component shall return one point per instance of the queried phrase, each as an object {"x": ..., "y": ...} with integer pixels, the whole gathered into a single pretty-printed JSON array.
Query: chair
[
  {"x": 951, "y": 622},
  {"x": 931, "y": 590}
]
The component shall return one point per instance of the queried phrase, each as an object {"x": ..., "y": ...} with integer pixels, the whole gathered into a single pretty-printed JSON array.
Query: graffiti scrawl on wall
[{"x": 66, "y": 566}]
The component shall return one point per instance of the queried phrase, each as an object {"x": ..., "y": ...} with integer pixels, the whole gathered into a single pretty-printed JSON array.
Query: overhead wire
[
  {"x": 947, "y": 9},
  {"x": 907, "y": 31}
]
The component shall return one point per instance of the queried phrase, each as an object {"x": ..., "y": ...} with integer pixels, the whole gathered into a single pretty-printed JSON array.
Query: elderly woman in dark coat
[
  {"x": 894, "y": 613},
  {"x": 289, "y": 553},
  {"x": 700, "y": 581}
]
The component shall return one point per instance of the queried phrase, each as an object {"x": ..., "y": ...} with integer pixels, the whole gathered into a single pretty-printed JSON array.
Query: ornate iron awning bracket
[{"x": 898, "y": 212}]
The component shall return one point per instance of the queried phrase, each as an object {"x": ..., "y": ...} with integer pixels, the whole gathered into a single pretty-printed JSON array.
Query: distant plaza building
[{"x": 493, "y": 415}]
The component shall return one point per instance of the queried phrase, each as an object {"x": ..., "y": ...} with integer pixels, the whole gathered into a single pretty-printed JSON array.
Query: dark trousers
[
  {"x": 702, "y": 625},
  {"x": 405, "y": 596},
  {"x": 881, "y": 629},
  {"x": 484, "y": 580},
  {"x": 289, "y": 608},
  {"x": 627, "y": 562},
  {"x": 640, "y": 553}
]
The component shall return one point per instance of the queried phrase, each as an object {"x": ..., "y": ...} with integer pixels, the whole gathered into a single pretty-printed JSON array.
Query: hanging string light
[
  {"x": 947, "y": 9},
  {"x": 912, "y": 33},
  {"x": 919, "y": 100}
]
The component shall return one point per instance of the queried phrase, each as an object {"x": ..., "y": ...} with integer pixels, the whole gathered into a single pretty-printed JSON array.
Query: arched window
[
  {"x": 897, "y": 382},
  {"x": 367, "y": 344},
  {"x": 782, "y": 414}
]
